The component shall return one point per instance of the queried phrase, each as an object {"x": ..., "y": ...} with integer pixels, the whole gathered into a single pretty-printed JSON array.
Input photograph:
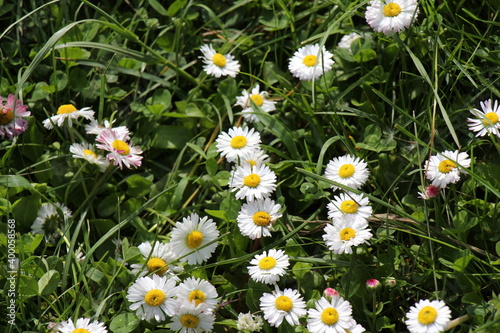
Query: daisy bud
[
  {"x": 329, "y": 293},
  {"x": 430, "y": 191},
  {"x": 373, "y": 284},
  {"x": 391, "y": 282}
]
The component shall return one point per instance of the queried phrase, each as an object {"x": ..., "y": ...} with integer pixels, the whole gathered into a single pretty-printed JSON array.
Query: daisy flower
[
  {"x": 254, "y": 157},
  {"x": 256, "y": 218},
  {"x": 310, "y": 62},
  {"x": 198, "y": 291},
  {"x": 445, "y": 168},
  {"x": 391, "y": 16},
  {"x": 347, "y": 170},
  {"x": 249, "y": 322},
  {"x": 51, "y": 218},
  {"x": 253, "y": 182},
  {"x": 268, "y": 268},
  {"x": 87, "y": 152},
  {"x": 11, "y": 117},
  {"x": 192, "y": 318},
  {"x": 330, "y": 316},
  {"x": 430, "y": 191},
  {"x": 349, "y": 204},
  {"x": 152, "y": 297},
  {"x": 190, "y": 239},
  {"x": 286, "y": 304},
  {"x": 237, "y": 142},
  {"x": 70, "y": 112},
  {"x": 346, "y": 232},
  {"x": 257, "y": 97},
  {"x": 347, "y": 40},
  {"x": 95, "y": 128},
  {"x": 428, "y": 317},
  {"x": 158, "y": 260},
  {"x": 120, "y": 152},
  {"x": 217, "y": 64},
  {"x": 82, "y": 325},
  {"x": 487, "y": 119}
]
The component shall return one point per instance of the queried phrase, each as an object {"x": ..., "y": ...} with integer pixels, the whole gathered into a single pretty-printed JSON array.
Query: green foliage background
[{"x": 391, "y": 100}]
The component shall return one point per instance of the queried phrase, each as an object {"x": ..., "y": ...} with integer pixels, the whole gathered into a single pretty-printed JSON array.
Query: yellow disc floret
[
  {"x": 329, "y": 316},
  {"x": 80, "y": 330},
  {"x": 267, "y": 263},
  {"x": 346, "y": 170},
  {"x": 309, "y": 60},
  {"x": 238, "y": 142},
  {"x": 349, "y": 207},
  {"x": 257, "y": 99},
  {"x": 189, "y": 321},
  {"x": 90, "y": 153},
  {"x": 121, "y": 147},
  {"x": 347, "y": 233},
  {"x": 491, "y": 118},
  {"x": 194, "y": 239},
  {"x": 219, "y": 60},
  {"x": 154, "y": 297},
  {"x": 446, "y": 166},
  {"x": 283, "y": 303},
  {"x": 6, "y": 116},
  {"x": 252, "y": 180},
  {"x": 197, "y": 296},
  {"x": 261, "y": 219},
  {"x": 427, "y": 315},
  {"x": 66, "y": 108},
  {"x": 157, "y": 265},
  {"x": 392, "y": 9}
]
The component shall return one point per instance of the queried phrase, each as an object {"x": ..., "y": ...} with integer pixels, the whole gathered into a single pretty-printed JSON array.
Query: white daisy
[
  {"x": 237, "y": 142},
  {"x": 12, "y": 114},
  {"x": 190, "y": 239},
  {"x": 346, "y": 232},
  {"x": 253, "y": 182},
  {"x": 217, "y": 64},
  {"x": 249, "y": 322},
  {"x": 487, "y": 120},
  {"x": 286, "y": 304},
  {"x": 152, "y": 297},
  {"x": 347, "y": 40},
  {"x": 310, "y": 62},
  {"x": 391, "y": 16},
  {"x": 119, "y": 151},
  {"x": 87, "y": 152},
  {"x": 254, "y": 157},
  {"x": 356, "y": 328},
  {"x": 52, "y": 217},
  {"x": 445, "y": 168},
  {"x": 158, "y": 260},
  {"x": 82, "y": 325},
  {"x": 256, "y": 98},
  {"x": 256, "y": 218},
  {"x": 70, "y": 112},
  {"x": 268, "y": 268},
  {"x": 330, "y": 316},
  {"x": 95, "y": 128},
  {"x": 349, "y": 204},
  {"x": 192, "y": 318},
  {"x": 347, "y": 170},
  {"x": 428, "y": 317},
  {"x": 198, "y": 291}
]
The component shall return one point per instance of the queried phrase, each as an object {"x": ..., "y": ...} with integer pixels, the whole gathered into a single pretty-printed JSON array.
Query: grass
[{"x": 393, "y": 101}]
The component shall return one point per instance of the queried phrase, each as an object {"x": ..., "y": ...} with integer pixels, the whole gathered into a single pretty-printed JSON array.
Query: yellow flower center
[
  {"x": 346, "y": 170},
  {"x": 6, "y": 116},
  {"x": 157, "y": 265},
  {"x": 154, "y": 297},
  {"x": 309, "y": 60},
  {"x": 283, "y": 303},
  {"x": 252, "y": 162},
  {"x": 446, "y": 166},
  {"x": 349, "y": 207},
  {"x": 252, "y": 180},
  {"x": 491, "y": 119},
  {"x": 67, "y": 108},
  {"x": 427, "y": 315},
  {"x": 267, "y": 263},
  {"x": 80, "y": 330},
  {"x": 329, "y": 316},
  {"x": 392, "y": 9},
  {"x": 238, "y": 142},
  {"x": 197, "y": 296},
  {"x": 189, "y": 321},
  {"x": 347, "y": 233},
  {"x": 257, "y": 99},
  {"x": 219, "y": 60},
  {"x": 88, "y": 152},
  {"x": 262, "y": 219},
  {"x": 121, "y": 147},
  {"x": 194, "y": 239}
]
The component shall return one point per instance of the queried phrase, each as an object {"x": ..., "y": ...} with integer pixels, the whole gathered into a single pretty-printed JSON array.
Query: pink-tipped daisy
[
  {"x": 11, "y": 117},
  {"x": 120, "y": 151}
]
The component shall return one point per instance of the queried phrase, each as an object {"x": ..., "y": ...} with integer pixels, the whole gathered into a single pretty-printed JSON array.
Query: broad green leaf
[
  {"x": 48, "y": 282},
  {"x": 124, "y": 323},
  {"x": 461, "y": 263},
  {"x": 138, "y": 186}
]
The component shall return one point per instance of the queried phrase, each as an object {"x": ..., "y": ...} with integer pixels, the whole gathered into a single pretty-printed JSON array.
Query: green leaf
[
  {"x": 15, "y": 181},
  {"x": 30, "y": 242},
  {"x": 25, "y": 210},
  {"x": 124, "y": 323},
  {"x": 175, "y": 7},
  {"x": 108, "y": 205},
  {"x": 158, "y": 7},
  {"x": 171, "y": 137},
  {"x": 138, "y": 186},
  {"x": 300, "y": 269},
  {"x": 461, "y": 263},
  {"x": 48, "y": 282},
  {"x": 28, "y": 286}
]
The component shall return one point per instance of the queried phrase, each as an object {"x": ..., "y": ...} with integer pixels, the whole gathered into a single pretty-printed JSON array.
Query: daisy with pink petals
[
  {"x": 120, "y": 151},
  {"x": 11, "y": 117}
]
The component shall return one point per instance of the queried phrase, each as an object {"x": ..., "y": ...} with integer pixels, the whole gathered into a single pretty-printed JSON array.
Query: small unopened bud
[
  {"x": 372, "y": 284},
  {"x": 430, "y": 191},
  {"x": 329, "y": 293},
  {"x": 391, "y": 282}
]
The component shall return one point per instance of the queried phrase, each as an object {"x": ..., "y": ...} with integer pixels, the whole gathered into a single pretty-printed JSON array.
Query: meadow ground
[{"x": 274, "y": 166}]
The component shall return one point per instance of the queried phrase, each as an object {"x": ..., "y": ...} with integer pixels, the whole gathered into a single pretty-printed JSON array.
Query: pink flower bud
[{"x": 372, "y": 284}]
